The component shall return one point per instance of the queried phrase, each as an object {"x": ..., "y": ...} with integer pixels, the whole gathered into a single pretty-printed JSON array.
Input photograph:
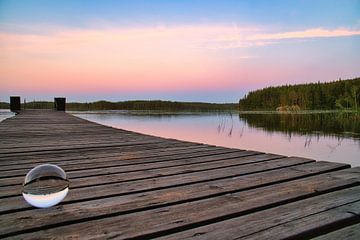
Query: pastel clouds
[
  {"x": 241, "y": 39},
  {"x": 140, "y": 59},
  {"x": 308, "y": 33},
  {"x": 126, "y": 59}
]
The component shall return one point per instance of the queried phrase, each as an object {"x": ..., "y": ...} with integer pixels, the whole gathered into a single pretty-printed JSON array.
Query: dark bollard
[
  {"x": 59, "y": 104},
  {"x": 15, "y": 105}
]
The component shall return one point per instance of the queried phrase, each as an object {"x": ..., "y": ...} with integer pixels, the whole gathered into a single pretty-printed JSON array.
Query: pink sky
[{"x": 163, "y": 59}]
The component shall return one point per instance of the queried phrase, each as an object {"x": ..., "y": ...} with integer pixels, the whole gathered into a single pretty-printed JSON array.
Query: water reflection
[
  {"x": 324, "y": 136},
  {"x": 5, "y": 113},
  {"x": 319, "y": 124}
]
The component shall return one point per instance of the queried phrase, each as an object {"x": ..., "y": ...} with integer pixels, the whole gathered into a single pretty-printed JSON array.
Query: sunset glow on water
[{"x": 231, "y": 131}]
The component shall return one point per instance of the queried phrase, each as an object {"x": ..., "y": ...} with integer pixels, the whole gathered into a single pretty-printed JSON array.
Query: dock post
[
  {"x": 59, "y": 103},
  {"x": 15, "y": 105}
]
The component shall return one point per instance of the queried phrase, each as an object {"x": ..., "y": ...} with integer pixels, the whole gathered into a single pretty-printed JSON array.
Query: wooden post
[
  {"x": 59, "y": 104},
  {"x": 15, "y": 105}
]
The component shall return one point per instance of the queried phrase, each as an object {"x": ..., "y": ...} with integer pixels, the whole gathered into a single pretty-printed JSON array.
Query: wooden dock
[{"x": 126, "y": 185}]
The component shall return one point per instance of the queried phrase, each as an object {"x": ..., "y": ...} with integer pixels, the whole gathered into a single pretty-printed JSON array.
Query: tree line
[
  {"x": 155, "y": 105},
  {"x": 4, "y": 105},
  {"x": 151, "y": 105},
  {"x": 340, "y": 94}
]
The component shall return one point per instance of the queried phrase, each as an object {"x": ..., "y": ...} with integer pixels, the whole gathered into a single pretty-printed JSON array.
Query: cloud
[
  {"x": 256, "y": 39},
  {"x": 309, "y": 33},
  {"x": 189, "y": 36},
  {"x": 114, "y": 58},
  {"x": 140, "y": 58}
]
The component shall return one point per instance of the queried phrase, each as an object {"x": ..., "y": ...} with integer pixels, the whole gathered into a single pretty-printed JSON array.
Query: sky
[{"x": 198, "y": 50}]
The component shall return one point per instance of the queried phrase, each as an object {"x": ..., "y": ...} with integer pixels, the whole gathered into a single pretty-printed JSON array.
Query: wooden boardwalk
[{"x": 126, "y": 185}]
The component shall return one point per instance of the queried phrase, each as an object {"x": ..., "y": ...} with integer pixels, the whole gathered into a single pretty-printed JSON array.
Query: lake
[
  {"x": 327, "y": 136},
  {"x": 4, "y": 113},
  {"x": 324, "y": 136}
]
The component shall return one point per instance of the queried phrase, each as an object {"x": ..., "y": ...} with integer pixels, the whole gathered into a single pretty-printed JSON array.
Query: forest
[
  {"x": 340, "y": 94},
  {"x": 155, "y": 105},
  {"x": 151, "y": 105},
  {"x": 4, "y": 105}
]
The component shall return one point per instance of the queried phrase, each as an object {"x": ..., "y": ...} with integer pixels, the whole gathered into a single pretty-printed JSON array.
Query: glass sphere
[{"x": 45, "y": 186}]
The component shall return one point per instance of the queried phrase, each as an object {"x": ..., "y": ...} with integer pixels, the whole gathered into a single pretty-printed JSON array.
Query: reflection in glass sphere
[{"x": 45, "y": 186}]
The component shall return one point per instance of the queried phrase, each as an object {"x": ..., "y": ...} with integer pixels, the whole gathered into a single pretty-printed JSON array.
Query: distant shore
[{"x": 147, "y": 105}]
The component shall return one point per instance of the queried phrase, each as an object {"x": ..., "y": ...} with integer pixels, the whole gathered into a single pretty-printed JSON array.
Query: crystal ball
[{"x": 45, "y": 186}]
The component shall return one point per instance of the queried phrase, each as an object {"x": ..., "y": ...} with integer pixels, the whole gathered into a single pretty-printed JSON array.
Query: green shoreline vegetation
[
  {"x": 150, "y": 105},
  {"x": 340, "y": 95},
  {"x": 336, "y": 95}
]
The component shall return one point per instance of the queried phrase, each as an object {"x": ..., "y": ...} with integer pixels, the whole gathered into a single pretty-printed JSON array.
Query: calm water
[
  {"x": 321, "y": 136},
  {"x": 5, "y": 113}
]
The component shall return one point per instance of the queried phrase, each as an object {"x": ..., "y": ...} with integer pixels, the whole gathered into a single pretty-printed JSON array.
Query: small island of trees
[{"x": 340, "y": 94}]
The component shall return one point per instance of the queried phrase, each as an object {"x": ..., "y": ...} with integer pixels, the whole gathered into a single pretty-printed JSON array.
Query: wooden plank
[
  {"x": 162, "y": 221},
  {"x": 298, "y": 220},
  {"x": 14, "y": 202},
  {"x": 132, "y": 165},
  {"x": 150, "y": 150},
  {"x": 78, "y": 139},
  {"x": 351, "y": 232},
  {"x": 77, "y": 142},
  {"x": 12, "y": 186},
  {"x": 71, "y": 150},
  {"x": 183, "y": 156},
  {"x": 136, "y": 202},
  {"x": 63, "y": 144},
  {"x": 316, "y": 223},
  {"x": 86, "y": 146}
]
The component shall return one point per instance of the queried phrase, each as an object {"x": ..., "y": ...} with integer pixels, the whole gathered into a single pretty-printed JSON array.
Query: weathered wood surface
[
  {"x": 127, "y": 185},
  {"x": 350, "y": 232}
]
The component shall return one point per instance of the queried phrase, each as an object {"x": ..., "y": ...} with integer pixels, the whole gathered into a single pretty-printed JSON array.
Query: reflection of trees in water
[
  {"x": 222, "y": 124},
  {"x": 321, "y": 124},
  {"x": 232, "y": 125},
  {"x": 307, "y": 141},
  {"x": 333, "y": 148},
  {"x": 339, "y": 125},
  {"x": 242, "y": 131}
]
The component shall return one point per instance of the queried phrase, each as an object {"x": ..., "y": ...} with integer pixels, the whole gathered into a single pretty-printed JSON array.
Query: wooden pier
[{"x": 127, "y": 185}]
